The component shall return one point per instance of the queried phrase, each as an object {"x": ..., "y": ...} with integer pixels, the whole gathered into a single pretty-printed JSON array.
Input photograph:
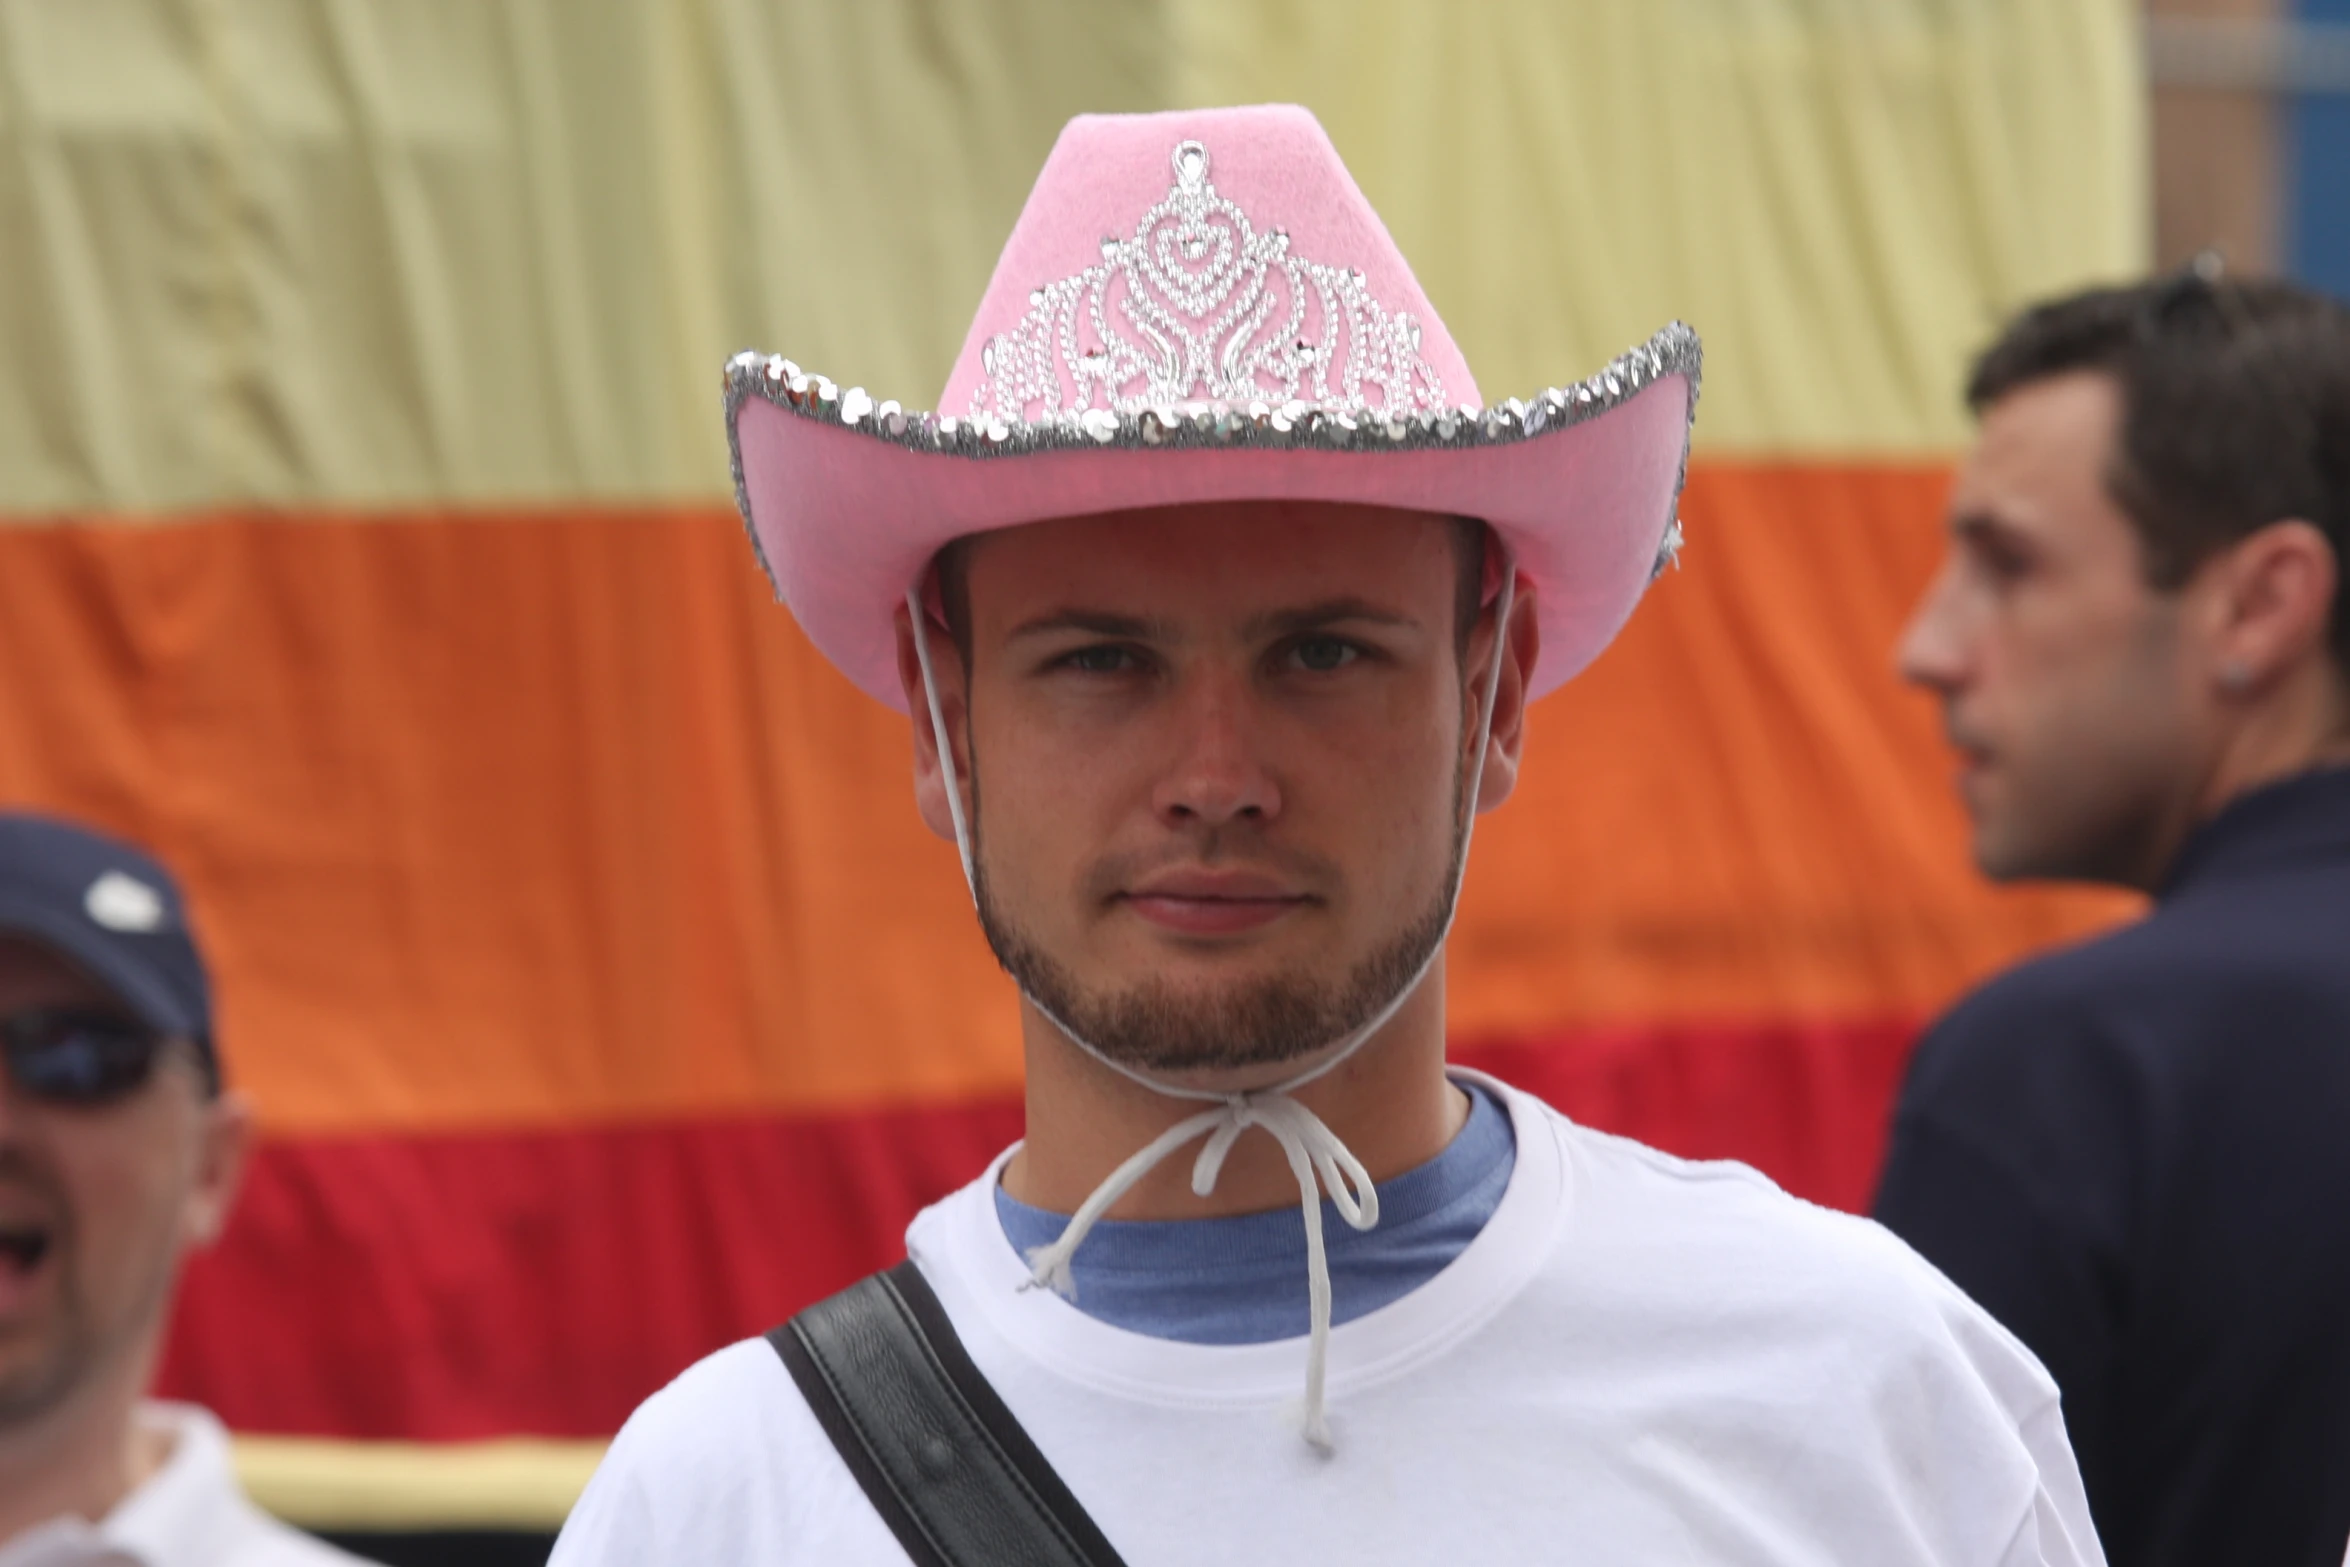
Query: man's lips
[
  {"x": 1213, "y": 903},
  {"x": 1973, "y": 754},
  {"x": 1973, "y": 765}
]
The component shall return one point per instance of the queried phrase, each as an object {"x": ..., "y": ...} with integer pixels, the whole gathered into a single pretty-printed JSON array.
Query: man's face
[
  {"x": 1217, "y": 757},
  {"x": 97, "y": 1204},
  {"x": 2064, "y": 678}
]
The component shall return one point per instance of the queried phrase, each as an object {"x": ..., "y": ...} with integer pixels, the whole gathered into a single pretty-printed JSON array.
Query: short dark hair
[
  {"x": 2235, "y": 409},
  {"x": 1468, "y": 551}
]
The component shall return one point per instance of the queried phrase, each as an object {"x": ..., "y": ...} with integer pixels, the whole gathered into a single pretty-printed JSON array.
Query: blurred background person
[
  {"x": 119, "y": 1151},
  {"x": 2136, "y": 1152}
]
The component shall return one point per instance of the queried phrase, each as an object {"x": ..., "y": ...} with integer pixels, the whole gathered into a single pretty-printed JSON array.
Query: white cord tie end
[
  {"x": 1049, "y": 1268},
  {"x": 1317, "y": 1432}
]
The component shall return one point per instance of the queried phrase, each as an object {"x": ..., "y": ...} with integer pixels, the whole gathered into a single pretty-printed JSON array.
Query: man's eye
[
  {"x": 1321, "y": 655},
  {"x": 2002, "y": 565},
  {"x": 1995, "y": 557},
  {"x": 1107, "y": 659}
]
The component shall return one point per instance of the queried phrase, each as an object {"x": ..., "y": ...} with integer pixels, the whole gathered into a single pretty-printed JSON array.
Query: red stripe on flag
[
  {"x": 544, "y": 1282},
  {"x": 1808, "y": 1104},
  {"x": 541, "y": 1283}
]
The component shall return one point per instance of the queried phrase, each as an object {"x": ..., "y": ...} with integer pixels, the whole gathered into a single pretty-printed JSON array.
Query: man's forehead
[
  {"x": 2061, "y": 425},
  {"x": 2043, "y": 452},
  {"x": 1239, "y": 553}
]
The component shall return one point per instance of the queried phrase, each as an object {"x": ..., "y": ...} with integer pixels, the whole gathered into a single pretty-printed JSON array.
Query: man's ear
[
  {"x": 1505, "y": 746},
  {"x": 223, "y": 1140},
  {"x": 2276, "y": 590},
  {"x": 930, "y": 786}
]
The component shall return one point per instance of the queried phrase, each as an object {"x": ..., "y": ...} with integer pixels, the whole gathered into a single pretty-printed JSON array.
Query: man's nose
[
  {"x": 1216, "y": 775},
  {"x": 1932, "y": 652}
]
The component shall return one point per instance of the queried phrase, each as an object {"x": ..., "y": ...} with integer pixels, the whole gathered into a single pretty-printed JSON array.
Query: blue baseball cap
[{"x": 114, "y": 911}]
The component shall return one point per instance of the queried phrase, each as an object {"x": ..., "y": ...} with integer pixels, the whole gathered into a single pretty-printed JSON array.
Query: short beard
[
  {"x": 2131, "y": 844},
  {"x": 1155, "y": 1026}
]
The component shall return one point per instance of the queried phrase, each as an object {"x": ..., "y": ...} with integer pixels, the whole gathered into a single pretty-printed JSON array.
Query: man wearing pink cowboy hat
[{"x": 1216, "y": 599}]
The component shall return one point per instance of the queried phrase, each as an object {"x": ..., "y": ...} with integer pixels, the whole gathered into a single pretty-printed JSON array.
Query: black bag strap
[{"x": 943, "y": 1461}]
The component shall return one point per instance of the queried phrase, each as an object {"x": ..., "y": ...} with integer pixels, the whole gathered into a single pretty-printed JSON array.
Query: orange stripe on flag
[{"x": 543, "y": 818}]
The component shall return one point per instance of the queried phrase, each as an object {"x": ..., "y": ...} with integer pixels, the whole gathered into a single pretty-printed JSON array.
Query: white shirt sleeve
[
  {"x": 2055, "y": 1529},
  {"x": 726, "y": 1464},
  {"x": 2057, "y": 1532}
]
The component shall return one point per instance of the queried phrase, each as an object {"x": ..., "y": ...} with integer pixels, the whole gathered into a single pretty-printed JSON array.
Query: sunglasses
[
  {"x": 2200, "y": 288},
  {"x": 2199, "y": 303},
  {"x": 70, "y": 1057}
]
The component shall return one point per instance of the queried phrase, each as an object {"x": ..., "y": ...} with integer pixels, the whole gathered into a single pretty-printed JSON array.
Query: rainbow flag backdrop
[{"x": 366, "y": 549}]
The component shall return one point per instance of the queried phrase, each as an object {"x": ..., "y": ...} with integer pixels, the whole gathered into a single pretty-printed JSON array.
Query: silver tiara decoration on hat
[
  {"x": 1217, "y": 425},
  {"x": 1199, "y": 306}
]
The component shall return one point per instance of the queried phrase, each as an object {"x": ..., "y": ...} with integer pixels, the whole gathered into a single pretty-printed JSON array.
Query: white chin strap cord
[{"x": 1319, "y": 1160}]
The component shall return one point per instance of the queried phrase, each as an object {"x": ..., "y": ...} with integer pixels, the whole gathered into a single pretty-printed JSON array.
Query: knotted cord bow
[{"x": 1315, "y": 1154}]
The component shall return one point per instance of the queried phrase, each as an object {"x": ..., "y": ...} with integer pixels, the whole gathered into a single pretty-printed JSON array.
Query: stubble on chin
[
  {"x": 1155, "y": 1025},
  {"x": 1272, "y": 1020},
  {"x": 2103, "y": 826}
]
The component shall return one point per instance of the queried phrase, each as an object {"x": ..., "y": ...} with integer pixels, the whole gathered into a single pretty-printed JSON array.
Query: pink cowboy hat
[{"x": 1202, "y": 306}]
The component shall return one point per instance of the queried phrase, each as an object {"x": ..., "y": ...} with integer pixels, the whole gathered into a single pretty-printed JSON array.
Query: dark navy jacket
[{"x": 2136, "y": 1154}]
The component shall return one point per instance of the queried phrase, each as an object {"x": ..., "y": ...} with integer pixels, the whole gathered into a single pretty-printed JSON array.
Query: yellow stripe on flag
[{"x": 319, "y": 1484}]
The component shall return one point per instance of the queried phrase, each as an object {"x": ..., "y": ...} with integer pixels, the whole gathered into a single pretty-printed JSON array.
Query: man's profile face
[
  {"x": 2062, "y": 674},
  {"x": 97, "y": 1203},
  {"x": 1217, "y": 757}
]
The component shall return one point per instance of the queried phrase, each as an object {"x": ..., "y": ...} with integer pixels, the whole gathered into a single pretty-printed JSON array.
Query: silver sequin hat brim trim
[{"x": 1673, "y": 351}]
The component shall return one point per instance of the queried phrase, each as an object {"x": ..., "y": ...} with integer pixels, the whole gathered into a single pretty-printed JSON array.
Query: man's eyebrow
[
  {"x": 1095, "y": 622},
  {"x": 1306, "y": 617}
]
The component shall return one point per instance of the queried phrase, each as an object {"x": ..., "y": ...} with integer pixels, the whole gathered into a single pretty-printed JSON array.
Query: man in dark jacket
[{"x": 2136, "y": 1153}]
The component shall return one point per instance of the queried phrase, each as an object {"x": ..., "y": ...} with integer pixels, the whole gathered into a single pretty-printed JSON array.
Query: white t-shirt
[
  {"x": 189, "y": 1513},
  {"x": 1639, "y": 1360}
]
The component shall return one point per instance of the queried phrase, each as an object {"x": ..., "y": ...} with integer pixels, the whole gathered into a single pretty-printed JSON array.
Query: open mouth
[{"x": 23, "y": 1247}]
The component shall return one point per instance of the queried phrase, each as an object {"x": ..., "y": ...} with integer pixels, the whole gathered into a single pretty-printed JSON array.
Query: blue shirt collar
[{"x": 1243, "y": 1279}]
